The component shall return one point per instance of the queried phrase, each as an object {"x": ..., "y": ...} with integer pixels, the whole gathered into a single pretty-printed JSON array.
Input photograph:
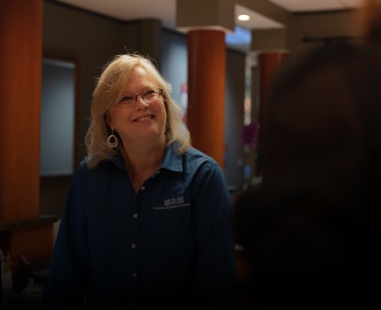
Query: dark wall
[
  {"x": 234, "y": 113},
  {"x": 93, "y": 39},
  {"x": 174, "y": 60}
]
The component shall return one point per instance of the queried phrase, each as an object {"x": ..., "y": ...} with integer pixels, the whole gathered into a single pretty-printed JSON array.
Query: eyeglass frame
[{"x": 160, "y": 92}]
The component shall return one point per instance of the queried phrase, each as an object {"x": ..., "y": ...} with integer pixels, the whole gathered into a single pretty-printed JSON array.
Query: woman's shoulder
[
  {"x": 195, "y": 154},
  {"x": 197, "y": 160},
  {"x": 105, "y": 165}
]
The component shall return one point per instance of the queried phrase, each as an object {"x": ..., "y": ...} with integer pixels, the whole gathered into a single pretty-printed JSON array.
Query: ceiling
[{"x": 165, "y": 10}]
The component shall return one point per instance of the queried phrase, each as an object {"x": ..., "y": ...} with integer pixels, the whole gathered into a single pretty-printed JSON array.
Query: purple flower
[{"x": 249, "y": 134}]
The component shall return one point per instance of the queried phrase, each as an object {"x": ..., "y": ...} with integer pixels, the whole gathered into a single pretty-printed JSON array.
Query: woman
[{"x": 147, "y": 218}]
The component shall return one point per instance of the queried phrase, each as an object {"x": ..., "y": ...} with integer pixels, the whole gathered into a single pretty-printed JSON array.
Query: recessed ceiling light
[{"x": 243, "y": 17}]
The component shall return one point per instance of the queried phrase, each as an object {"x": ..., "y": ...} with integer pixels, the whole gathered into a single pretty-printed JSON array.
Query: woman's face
[{"x": 135, "y": 120}]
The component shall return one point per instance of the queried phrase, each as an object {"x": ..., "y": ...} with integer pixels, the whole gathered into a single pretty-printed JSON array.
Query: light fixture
[{"x": 243, "y": 17}]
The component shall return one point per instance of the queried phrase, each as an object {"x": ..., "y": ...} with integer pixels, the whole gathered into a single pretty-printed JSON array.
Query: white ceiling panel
[
  {"x": 125, "y": 10},
  {"x": 352, "y": 3},
  {"x": 165, "y": 10},
  {"x": 315, "y": 5}
]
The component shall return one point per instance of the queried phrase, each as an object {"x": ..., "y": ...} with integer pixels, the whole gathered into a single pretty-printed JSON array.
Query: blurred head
[
  {"x": 118, "y": 79},
  {"x": 370, "y": 20}
]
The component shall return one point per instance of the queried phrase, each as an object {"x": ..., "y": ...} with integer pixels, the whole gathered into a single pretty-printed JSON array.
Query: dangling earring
[{"x": 112, "y": 141}]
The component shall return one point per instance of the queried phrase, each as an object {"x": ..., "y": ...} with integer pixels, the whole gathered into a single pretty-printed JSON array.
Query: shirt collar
[
  {"x": 172, "y": 160},
  {"x": 118, "y": 161}
]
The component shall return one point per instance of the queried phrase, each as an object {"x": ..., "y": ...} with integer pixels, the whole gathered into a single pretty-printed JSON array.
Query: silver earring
[{"x": 112, "y": 141}]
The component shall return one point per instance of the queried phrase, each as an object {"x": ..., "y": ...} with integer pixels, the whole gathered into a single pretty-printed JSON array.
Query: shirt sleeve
[
  {"x": 70, "y": 264},
  {"x": 214, "y": 242}
]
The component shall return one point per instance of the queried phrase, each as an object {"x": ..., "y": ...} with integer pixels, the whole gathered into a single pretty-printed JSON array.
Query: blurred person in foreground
[
  {"x": 312, "y": 230},
  {"x": 148, "y": 218}
]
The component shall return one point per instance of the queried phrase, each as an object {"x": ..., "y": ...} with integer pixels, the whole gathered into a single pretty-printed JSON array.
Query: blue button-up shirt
[{"x": 172, "y": 242}]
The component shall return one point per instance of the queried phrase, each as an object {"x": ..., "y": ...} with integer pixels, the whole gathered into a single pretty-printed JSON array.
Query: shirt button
[
  {"x": 143, "y": 188},
  {"x": 134, "y": 274},
  {"x": 135, "y": 216},
  {"x": 133, "y": 245}
]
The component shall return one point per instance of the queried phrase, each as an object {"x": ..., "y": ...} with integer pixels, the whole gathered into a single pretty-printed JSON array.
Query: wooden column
[
  {"x": 268, "y": 63},
  {"x": 206, "y": 91},
  {"x": 22, "y": 233},
  {"x": 20, "y": 87}
]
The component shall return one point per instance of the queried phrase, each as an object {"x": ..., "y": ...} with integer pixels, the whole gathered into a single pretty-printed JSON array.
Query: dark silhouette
[{"x": 311, "y": 230}]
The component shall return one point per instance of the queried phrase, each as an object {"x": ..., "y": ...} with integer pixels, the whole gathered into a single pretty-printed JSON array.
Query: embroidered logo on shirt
[{"x": 173, "y": 203}]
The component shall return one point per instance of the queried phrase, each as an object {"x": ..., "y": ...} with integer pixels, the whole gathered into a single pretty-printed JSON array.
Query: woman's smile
[{"x": 144, "y": 118}]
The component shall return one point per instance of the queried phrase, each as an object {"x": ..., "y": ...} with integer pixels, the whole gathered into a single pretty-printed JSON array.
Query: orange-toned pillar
[
  {"x": 268, "y": 63},
  {"x": 206, "y": 91},
  {"x": 20, "y": 87},
  {"x": 206, "y": 23}
]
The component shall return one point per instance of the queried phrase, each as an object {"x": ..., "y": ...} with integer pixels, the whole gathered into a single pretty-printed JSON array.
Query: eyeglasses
[{"x": 148, "y": 96}]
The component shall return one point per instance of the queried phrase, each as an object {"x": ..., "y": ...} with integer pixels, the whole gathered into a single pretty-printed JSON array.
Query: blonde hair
[{"x": 109, "y": 88}]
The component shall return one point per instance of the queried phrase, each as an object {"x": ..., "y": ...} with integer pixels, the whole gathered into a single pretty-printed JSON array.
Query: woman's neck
[{"x": 144, "y": 162}]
